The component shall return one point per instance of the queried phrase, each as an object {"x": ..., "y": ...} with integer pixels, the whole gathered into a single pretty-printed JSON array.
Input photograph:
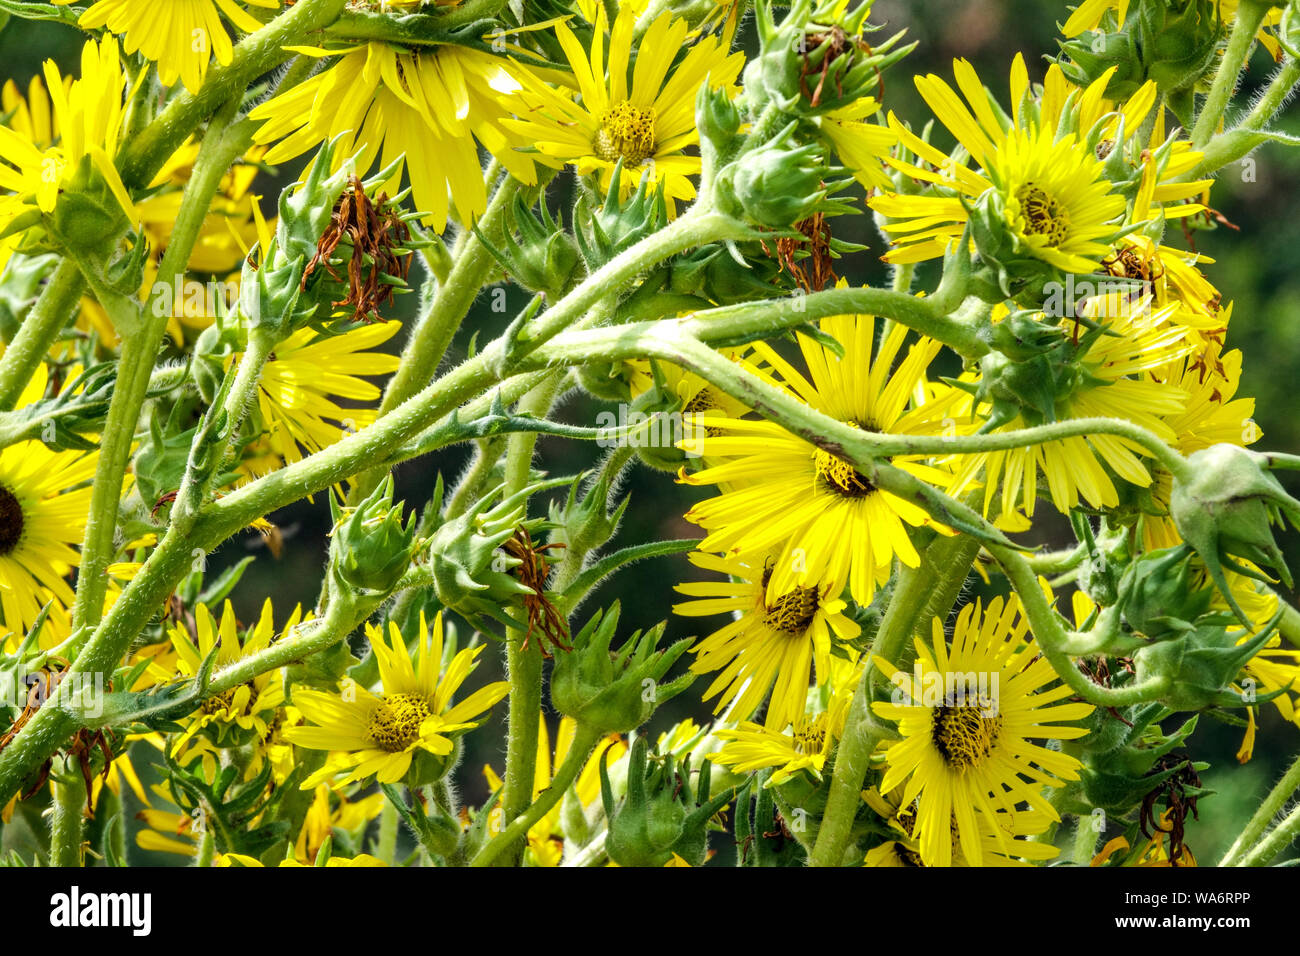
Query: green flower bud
[
  {"x": 1086, "y": 57},
  {"x": 718, "y": 121},
  {"x": 87, "y": 210},
  {"x": 1158, "y": 595},
  {"x": 584, "y": 523},
  {"x": 603, "y": 233},
  {"x": 544, "y": 257},
  {"x": 659, "y": 816},
  {"x": 1200, "y": 666},
  {"x": 1118, "y": 779},
  {"x": 1224, "y": 506},
  {"x": 615, "y": 692},
  {"x": 714, "y": 273},
  {"x": 607, "y": 380},
  {"x": 470, "y": 564},
  {"x": 776, "y": 184},
  {"x": 370, "y": 548},
  {"x": 816, "y": 60}
]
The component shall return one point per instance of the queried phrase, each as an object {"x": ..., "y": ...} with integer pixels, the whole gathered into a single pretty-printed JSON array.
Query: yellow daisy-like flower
[
  {"x": 1057, "y": 202},
  {"x": 253, "y": 706},
  {"x": 771, "y": 645},
  {"x": 753, "y": 747},
  {"x": 647, "y": 121},
  {"x": 1113, "y": 385},
  {"x": 825, "y": 522},
  {"x": 87, "y": 116},
  {"x": 181, "y": 36},
  {"x": 295, "y": 397},
  {"x": 1008, "y": 849},
  {"x": 426, "y": 110},
  {"x": 379, "y": 734},
  {"x": 44, "y": 499},
  {"x": 968, "y": 715}
]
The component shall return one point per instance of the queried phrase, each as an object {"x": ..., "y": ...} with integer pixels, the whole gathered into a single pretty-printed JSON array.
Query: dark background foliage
[{"x": 1255, "y": 268}]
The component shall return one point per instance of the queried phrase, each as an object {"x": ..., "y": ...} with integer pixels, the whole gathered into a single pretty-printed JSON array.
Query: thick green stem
[
  {"x": 1274, "y": 842},
  {"x": 135, "y": 367},
  {"x": 47, "y": 318},
  {"x": 1250, "y": 14},
  {"x": 1273, "y": 805},
  {"x": 585, "y": 738},
  {"x": 142, "y": 331},
  {"x": 523, "y": 663},
  {"x": 919, "y": 594},
  {"x": 68, "y": 827}
]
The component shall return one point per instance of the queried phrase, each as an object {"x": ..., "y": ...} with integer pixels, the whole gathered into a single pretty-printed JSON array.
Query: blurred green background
[{"x": 1255, "y": 269}]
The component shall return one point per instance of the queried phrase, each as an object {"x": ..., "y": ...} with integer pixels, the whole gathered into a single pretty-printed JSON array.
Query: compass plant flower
[
  {"x": 633, "y": 105},
  {"x": 969, "y": 753},
  {"x": 424, "y": 111},
  {"x": 379, "y": 735},
  {"x": 824, "y": 521},
  {"x": 75, "y": 175},
  {"x": 248, "y": 711},
  {"x": 1035, "y": 174},
  {"x": 771, "y": 646},
  {"x": 1099, "y": 374}
]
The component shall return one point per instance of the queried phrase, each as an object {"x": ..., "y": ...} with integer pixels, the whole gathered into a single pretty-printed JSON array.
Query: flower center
[
  {"x": 792, "y": 612},
  {"x": 1043, "y": 214},
  {"x": 810, "y": 735},
  {"x": 626, "y": 131},
  {"x": 701, "y": 401},
  {"x": 395, "y": 724},
  {"x": 11, "y": 520},
  {"x": 839, "y": 476},
  {"x": 963, "y": 735}
]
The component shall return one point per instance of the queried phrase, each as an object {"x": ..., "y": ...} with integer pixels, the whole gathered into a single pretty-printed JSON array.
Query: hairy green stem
[
  {"x": 68, "y": 827},
  {"x": 1272, "y": 805},
  {"x": 47, "y": 318},
  {"x": 1250, "y": 14},
  {"x": 523, "y": 663},
  {"x": 585, "y": 738}
]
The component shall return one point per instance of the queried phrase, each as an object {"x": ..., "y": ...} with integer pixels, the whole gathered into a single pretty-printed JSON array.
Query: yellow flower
[
  {"x": 648, "y": 123},
  {"x": 87, "y": 116},
  {"x": 1056, "y": 200},
  {"x": 812, "y": 736},
  {"x": 826, "y": 524},
  {"x": 253, "y": 706},
  {"x": 771, "y": 645},
  {"x": 44, "y": 499},
  {"x": 181, "y": 36},
  {"x": 296, "y": 405},
  {"x": 379, "y": 734},
  {"x": 903, "y": 850},
  {"x": 1113, "y": 384},
  {"x": 426, "y": 111},
  {"x": 968, "y": 715}
]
